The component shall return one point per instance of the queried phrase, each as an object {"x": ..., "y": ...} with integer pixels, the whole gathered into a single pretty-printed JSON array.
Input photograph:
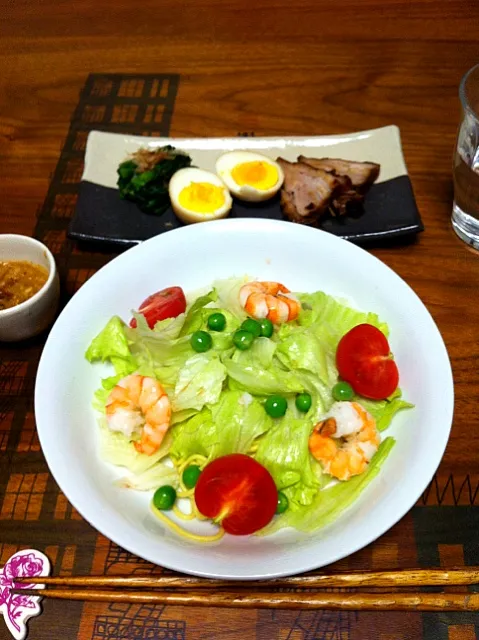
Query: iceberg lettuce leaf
[
  {"x": 239, "y": 419},
  {"x": 228, "y": 295},
  {"x": 156, "y": 476},
  {"x": 194, "y": 315},
  {"x": 337, "y": 317},
  {"x": 284, "y": 452},
  {"x": 119, "y": 450},
  {"x": 259, "y": 372},
  {"x": 197, "y": 435},
  {"x": 111, "y": 345},
  {"x": 383, "y": 411},
  {"x": 330, "y": 502},
  {"x": 200, "y": 382}
]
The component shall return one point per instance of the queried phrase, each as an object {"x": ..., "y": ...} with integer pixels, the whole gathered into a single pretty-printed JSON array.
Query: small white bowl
[{"x": 31, "y": 317}]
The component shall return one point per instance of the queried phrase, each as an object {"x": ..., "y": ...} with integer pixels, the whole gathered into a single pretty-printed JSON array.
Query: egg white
[
  {"x": 183, "y": 178},
  {"x": 226, "y": 163}
]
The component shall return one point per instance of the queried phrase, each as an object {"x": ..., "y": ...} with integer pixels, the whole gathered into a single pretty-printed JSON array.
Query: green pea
[
  {"x": 303, "y": 402},
  {"x": 164, "y": 497},
  {"x": 343, "y": 391},
  {"x": 201, "y": 341},
  {"x": 190, "y": 476},
  {"x": 283, "y": 502},
  {"x": 243, "y": 339},
  {"x": 216, "y": 322},
  {"x": 252, "y": 326},
  {"x": 266, "y": 327},
  {"x": 276, "y": 406}
]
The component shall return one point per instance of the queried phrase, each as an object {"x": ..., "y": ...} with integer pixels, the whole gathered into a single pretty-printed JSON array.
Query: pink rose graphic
[
  {"x": 15, "y": 607},
  {"x": 23, "y": 567}
]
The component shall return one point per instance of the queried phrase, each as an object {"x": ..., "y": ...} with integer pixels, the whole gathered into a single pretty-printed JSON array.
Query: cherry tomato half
[
  {"x": 167, "y": 303},
  {"x": 238, "y": 492},
  {"x": 364, "y": 359}
]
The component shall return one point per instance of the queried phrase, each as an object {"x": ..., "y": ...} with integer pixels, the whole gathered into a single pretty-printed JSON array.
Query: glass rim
[{"x": 462, "y": 92}]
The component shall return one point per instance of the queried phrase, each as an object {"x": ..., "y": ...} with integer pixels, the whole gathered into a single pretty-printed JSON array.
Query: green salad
[{"x": 234, "y": 384}]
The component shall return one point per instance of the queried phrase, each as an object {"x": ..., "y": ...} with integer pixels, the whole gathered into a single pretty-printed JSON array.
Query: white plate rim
[{"x": 129, "y": 544}]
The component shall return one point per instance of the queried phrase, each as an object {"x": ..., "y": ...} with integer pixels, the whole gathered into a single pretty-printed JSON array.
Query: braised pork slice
[
  {"x": 346, "y": 197},
  {"x": 361, "y": 174},
  {"x": 307, "y": 192}
]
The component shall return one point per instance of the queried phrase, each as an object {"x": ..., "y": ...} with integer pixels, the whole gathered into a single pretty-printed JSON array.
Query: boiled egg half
[
  {"x": 250, "y": 176},
  {"x": 197, "y": 195}
]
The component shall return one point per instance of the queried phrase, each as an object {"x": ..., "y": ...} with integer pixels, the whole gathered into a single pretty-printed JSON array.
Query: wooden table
[{"x": 272, "y": 68}]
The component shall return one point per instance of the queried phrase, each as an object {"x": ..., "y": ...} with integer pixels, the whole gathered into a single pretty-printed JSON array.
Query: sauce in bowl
[{"x": 19, "y": 281}]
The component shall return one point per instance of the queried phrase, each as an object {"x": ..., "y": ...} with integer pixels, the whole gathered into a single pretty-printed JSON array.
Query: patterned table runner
[{"x": 440, "y": 531}]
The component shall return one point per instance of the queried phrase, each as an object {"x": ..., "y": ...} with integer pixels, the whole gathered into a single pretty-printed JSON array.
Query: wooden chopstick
[
  {"x": 345, "y": 601},
  {"x": 405, "y": 578}
]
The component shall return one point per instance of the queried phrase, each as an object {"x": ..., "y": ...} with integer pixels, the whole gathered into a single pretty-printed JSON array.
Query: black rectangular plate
[{"x": 390, "y": 211}]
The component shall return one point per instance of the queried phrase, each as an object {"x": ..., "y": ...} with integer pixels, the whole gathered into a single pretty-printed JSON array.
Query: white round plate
[{"x": 304, "y": 259}]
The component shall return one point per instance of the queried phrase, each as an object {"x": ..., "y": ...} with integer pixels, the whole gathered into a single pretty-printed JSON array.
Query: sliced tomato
[
  {"x": 237, "y": 492},
  {"x": 167, "y": 303},
  {"x": 364, "y": 359}
]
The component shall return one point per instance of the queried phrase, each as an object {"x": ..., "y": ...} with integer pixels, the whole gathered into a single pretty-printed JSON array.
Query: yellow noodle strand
[
  {"x": 182, "y": 515},
  {"x": 198, "y": 459},
  {"x": 182, "y": 532},
  {"x": 186, "y": 493}
]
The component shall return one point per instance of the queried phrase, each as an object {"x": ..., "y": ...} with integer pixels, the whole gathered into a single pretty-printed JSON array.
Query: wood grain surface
[
  {"x": 298, "y": 67},
  {"x": 275, "y": 67},
  {"x": 264, "y": 600},
  {"x": 361, "y": 579}
]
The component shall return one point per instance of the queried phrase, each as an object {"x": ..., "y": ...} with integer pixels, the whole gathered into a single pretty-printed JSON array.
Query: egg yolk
[
  {"x": 202, "y": 197},
  {"x": 257, "y": 174}
]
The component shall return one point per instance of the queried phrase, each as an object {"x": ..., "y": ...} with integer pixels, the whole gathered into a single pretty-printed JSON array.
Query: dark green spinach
[{"x": 144, "y": 178}]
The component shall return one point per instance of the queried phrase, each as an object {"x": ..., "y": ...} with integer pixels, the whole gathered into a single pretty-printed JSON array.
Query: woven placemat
[
  {"x": 142, "y": 105},
  {"x": 440, "y": 531}
]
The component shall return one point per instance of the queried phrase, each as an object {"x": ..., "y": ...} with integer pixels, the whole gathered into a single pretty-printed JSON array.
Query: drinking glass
[{"x": 465, "y": 211}]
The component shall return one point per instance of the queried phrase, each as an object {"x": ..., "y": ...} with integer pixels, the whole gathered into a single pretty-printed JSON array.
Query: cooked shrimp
[
  {"x": 346, "y": 441},
  {"x": 269, "y": 300},
  {"x": 139, "y": 405}
]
